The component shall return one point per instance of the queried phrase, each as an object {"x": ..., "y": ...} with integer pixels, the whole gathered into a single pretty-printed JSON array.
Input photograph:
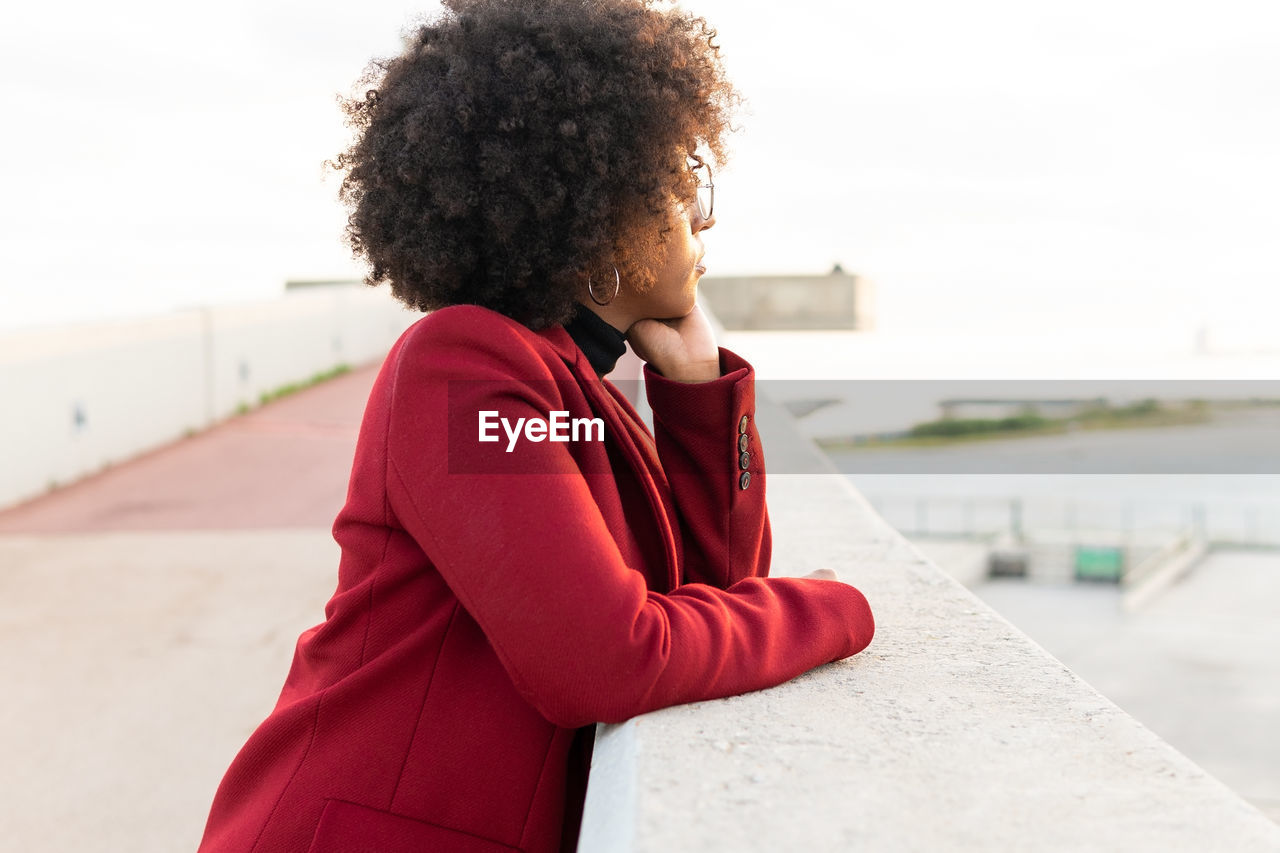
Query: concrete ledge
[
  {"x": 953, "y": 731},
  {"x": 613, "y": 795}
]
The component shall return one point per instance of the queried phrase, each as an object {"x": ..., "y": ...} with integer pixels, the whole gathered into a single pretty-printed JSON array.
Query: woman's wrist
[{"x": 693, "y": 372}]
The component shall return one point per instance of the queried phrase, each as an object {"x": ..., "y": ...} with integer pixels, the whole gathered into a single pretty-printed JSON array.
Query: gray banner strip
[{"x": 1038, "y": 427}]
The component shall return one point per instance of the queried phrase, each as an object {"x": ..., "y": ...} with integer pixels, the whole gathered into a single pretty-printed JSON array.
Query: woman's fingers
[{"x": 823, "y": 575}]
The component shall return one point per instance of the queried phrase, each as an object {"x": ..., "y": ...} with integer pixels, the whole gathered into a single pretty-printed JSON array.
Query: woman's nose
[{"x": 700, "y": 224}]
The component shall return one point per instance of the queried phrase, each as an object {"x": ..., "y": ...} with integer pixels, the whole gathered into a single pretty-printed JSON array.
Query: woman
[{"x": 524, "y": 171}]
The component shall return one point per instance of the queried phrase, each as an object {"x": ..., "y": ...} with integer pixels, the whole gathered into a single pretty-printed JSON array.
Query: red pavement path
[{"x": 285, "y": 464}]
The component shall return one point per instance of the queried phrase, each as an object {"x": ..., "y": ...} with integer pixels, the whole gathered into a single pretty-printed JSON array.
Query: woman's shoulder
[
  {"x": 464, "y": 336},
  {"x": 467, "y": 321}
]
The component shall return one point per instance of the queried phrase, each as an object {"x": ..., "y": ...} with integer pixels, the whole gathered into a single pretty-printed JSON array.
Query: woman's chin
[
  {"x": 686, "y": 309},
  {"x": 693, "y": 297},
  {"x": 676, "y": 305}
]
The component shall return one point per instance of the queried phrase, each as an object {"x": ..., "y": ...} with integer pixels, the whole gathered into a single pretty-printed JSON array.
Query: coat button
[
  {"x": 743, "y": 441},
  {"x": 742, "y": 424},
  {"x": 744, "y": 480},
  {"x": 744, "y": 460}
]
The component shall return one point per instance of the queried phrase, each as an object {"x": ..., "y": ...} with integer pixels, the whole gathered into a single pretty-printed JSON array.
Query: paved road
[{"x": 148, "y": 617}]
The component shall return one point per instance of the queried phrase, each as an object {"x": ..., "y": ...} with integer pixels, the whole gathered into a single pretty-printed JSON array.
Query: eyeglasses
[{"x": 706, "y": 189}]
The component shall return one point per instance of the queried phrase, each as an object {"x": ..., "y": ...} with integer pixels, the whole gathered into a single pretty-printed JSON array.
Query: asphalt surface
[{"x": 148, "y": 616}]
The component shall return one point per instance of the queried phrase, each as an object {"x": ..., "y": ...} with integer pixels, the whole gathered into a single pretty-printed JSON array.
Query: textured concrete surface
[
  {"x": 952, "y": 731},
  {"x": 135, "y": 664},
  {"x": 1197, "y": 663},
  {"x": 148, "y": 617}
]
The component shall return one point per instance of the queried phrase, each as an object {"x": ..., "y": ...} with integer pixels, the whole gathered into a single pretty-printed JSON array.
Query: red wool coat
[{"x": 491, "y": 603}]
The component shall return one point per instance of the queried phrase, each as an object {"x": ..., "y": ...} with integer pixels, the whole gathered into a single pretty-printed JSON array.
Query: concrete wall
[
  {"x": 951, "y": 731},
  {"x": 81, "y": 397}
]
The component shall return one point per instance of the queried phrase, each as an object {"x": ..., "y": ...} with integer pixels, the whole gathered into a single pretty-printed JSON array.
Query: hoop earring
[{"x": 617, "y": 285}]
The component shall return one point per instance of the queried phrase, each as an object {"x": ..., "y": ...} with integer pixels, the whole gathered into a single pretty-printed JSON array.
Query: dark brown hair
[{"x": 517, "y": 145}]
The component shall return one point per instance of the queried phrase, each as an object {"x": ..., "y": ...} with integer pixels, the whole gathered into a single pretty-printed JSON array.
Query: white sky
[{"x": 1090, "y": 164}]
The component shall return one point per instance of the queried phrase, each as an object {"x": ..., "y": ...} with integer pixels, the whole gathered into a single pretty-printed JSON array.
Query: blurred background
[
  {"x": 982, "y": 191},
  {"x": 1106, "y": 164}
]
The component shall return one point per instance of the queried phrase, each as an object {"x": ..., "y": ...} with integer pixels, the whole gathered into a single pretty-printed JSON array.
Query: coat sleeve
[
  {"x": 707, "y": 439},
  {"x": 525, "y": 549}
]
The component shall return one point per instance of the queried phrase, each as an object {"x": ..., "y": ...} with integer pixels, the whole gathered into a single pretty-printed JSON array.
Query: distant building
[
  {"x": 837, "y": 300},
  {"x": 300, "y": 283}
]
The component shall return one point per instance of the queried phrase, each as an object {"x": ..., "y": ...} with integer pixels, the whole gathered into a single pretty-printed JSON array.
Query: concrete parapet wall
[
  {"x": 82, "y": 397},
  {"x": 952, "y": 731}
]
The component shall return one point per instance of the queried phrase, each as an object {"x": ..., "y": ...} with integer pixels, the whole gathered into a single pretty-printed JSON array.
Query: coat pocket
[{"x": 350, "y": 828}]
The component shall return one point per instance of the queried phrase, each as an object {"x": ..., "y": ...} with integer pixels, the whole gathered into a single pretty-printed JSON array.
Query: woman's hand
[
  {"x": 822, "y": 575},
  {"x": 683, "y": 349}
]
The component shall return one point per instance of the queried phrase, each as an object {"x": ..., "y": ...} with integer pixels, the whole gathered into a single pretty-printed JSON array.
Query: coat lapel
[{"x": 633, "y": 438}]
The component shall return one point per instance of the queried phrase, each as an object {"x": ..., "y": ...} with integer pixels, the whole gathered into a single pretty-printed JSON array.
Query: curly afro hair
[{"x": 517, "y": 145}]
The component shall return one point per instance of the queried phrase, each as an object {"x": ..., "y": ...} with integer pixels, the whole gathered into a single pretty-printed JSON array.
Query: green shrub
[{"x": 971, "y": 426}]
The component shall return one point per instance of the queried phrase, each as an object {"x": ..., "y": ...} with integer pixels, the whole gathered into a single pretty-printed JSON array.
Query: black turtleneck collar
[{"x": 601, "y": 343}]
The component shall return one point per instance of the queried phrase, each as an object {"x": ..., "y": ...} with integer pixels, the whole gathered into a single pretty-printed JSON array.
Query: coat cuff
[{"x": 717, "y": 417}]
